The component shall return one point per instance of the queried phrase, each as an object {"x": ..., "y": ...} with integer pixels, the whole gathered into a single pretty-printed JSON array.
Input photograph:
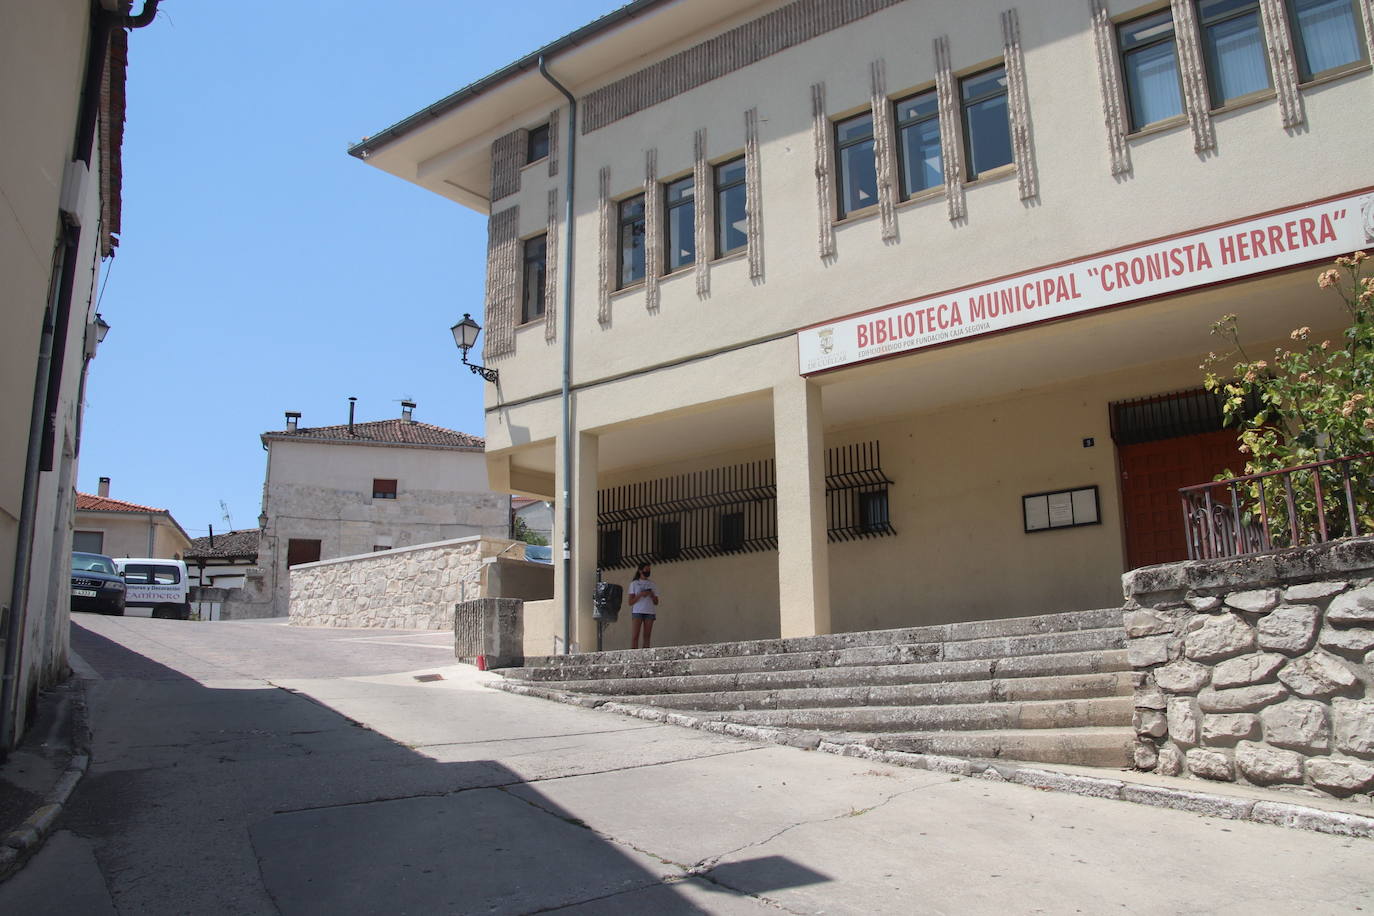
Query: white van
[{"x": 156, "y": 584}]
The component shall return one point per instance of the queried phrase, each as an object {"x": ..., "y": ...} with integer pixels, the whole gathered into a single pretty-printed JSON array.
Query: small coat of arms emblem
[{"x": 827, "y": 336}]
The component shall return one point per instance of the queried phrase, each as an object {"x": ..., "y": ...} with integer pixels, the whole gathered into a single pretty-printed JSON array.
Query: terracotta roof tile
[
  {"x": 242, "y": 543},
  {"x": 85, "y": 502},
  {"x": 385, "y": 432}
]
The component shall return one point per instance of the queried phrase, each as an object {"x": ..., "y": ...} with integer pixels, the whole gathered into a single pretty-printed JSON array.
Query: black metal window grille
[
  {"x": 1166, "y": 416},
  {"x": 856, "y": 493},
  {"x": 733, "y": 509}
]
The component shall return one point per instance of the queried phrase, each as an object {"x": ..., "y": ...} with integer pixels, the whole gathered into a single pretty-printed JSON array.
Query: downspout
[
  {"x": 52, "y": 349},
  {"x": 566, "y": 332}
]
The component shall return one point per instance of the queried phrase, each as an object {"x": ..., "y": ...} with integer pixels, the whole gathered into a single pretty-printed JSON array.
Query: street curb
[
  {"x": 17, "y": 846},
  {"x": 1035, "y": 776}
]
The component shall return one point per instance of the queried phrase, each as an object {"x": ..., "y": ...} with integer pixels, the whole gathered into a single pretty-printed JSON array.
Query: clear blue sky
[{"x": 262, "y": 269}]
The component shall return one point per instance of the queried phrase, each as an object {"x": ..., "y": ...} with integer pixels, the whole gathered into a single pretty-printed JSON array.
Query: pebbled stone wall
[
  {"x": 1258, "y": 670},
  {"x": 411, "y": 588}
]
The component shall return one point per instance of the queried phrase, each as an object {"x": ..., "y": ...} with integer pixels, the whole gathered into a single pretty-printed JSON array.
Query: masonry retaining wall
[
  {"x": 1258, "y": 670},
  {"x": 410, "y": 588}
]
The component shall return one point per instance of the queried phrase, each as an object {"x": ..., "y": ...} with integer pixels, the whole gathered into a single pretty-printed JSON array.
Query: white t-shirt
[{"x": 641, "y": 602}]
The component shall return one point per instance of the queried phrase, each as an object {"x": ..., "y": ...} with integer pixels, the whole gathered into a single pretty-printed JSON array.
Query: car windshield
[{"x": 92, "y": 562}]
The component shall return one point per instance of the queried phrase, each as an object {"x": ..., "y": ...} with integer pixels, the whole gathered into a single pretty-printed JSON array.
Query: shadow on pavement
[{"x": 252, "y": 799}]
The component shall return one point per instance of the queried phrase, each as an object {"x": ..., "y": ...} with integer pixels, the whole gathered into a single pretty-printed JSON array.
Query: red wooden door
[{"x": 1151, "y": 473}]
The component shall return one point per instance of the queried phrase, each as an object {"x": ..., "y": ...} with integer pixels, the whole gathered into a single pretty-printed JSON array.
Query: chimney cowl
[
  {"x": 408, "y": 411},
  {"x": 104, "y": 490},
  {"x": 292, "y": 420}
]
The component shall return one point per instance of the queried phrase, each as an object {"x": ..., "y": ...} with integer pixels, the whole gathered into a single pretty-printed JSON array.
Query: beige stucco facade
[
  {"x": 50, "y": 251},
  {"x": 699, "y": 368},
  {"x": 135, "y": 533}
]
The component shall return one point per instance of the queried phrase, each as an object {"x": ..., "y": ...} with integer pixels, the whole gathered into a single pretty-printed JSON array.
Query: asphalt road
[{"x": 257, "y": 768}]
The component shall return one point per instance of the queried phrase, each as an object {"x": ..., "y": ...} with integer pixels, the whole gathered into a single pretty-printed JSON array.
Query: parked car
[
  {"x": 157, "y": 584},
  {"x": 96, "y": 584}
]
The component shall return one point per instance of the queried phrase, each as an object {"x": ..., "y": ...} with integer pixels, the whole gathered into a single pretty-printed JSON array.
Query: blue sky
[{"x": 262, "y": 269}]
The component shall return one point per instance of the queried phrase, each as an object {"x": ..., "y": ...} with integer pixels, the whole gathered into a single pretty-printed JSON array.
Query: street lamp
[
  {"x": 465, "y": 335},
  {"x": 95, "y": 335}
]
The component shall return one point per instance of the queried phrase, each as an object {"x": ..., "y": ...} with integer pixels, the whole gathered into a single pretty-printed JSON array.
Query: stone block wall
[
  {"x": 1258, "y": 670},
  {"x": 412, "y": 588},
  {"x": 489, "y": 628}
]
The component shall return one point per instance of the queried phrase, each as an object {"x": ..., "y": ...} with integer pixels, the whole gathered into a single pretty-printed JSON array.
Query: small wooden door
[{"x": 1151, "y": 473}]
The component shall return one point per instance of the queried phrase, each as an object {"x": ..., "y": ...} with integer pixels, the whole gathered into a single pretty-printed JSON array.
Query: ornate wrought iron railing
[
  {"x": 734, "y": 509},
  {"x": 1291, "y": 507}
]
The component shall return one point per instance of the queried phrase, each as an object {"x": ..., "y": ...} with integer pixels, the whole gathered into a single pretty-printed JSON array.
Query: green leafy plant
[
  {"x": 524, "y": 533},
  {"x": 1315, "y": 401}
]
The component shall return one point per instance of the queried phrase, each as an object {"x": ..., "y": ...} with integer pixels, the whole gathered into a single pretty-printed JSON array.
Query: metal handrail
[{"x": 1244, "y": 525}]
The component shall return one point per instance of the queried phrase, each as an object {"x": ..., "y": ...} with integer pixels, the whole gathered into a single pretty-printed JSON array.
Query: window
[
  {"x": 383, "y": 489},
  {"x": 537, "y": 144},
  {"x": 679, "y": 202},
  {"x": 1326, "y": 33},
  {"x": 377, "y": 548},
  {"x": 918, "y": 143},
  {"x": 88, "y": 541},
  {"x": 1233, "y": 44},
  {"x": 987, "y": 131},
  {"x": 608, "y": 547},
  {"x": 732, "y": 531},
  {"x": 669, "y": 540},
  {"x": 873, "y": 511},
  {"x": 858, "y": 169},
  {"x": 1149, "y": 64},
  {"x": 302, "y": 550},
  {"x": 145, "y": 574},
  {"x": 732, "y": 216},
  {"x": 631, "y": 240},
  {"x": 532, "y": 292}
]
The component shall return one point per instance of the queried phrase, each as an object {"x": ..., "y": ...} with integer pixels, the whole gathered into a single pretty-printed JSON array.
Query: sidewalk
[{"x": 39, "y": 775}]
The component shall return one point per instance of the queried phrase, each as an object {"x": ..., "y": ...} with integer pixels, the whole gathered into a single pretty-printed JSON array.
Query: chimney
[
  {"x": 408, "y": 411},
  {"x": 104, "y": 491},
  {"x": 292, "y": 420},
  {"x": 352, "y": 402}
]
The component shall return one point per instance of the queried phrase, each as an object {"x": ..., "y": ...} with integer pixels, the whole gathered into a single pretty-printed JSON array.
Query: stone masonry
[
  {"x": 410, "y": 588},
  {"x": 1258, "y": 670}
]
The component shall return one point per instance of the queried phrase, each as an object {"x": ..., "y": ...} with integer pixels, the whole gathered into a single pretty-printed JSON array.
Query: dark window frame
[
  {"x": 967, "y": 105},
  {"x": 668, "y": 539},
  {"x": 88, "y": 535},
  {"x": 532, "y": 306},
  {"x": 903, "y": 127},
  {"x": 1140, "y": 47},
  {"x": 841, "y": 175},
  {"x": 731, "y": 531},
  {"x": 670, "y": 210},
  {"x": 722, "y": 190},
  {"x": 537, "y": 144},
  {"x": 872, "y": 510},
  {"x": 609, "y": 547},
  {"x": 381, "y": 490},
  {"x": 634, "y": 224},
  {"x": 1300, "y": 52},
  {"x": 1205, "y": 25}
]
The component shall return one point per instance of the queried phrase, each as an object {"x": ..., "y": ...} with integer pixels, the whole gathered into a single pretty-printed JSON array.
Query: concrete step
[
  {"x": 1059, "y": 687},
  {"x": 1063, "y": 663},
  {"x": 573, "y": 668},
  {"x": 1091, "y": 746},
  {"x": 939, "y": 633},
  {"x": 1034, "y": 714}
]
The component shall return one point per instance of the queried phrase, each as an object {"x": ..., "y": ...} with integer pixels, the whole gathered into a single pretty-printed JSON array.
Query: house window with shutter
[{"x": 383, "y": 489}]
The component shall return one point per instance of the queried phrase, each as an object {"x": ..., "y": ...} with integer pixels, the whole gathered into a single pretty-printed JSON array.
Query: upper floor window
[
  {"x": 631, "y": 240},
  {"x": 679, "y": 203},
  {"x": 918, "y": 143},
  {"x": 1149, "y": 63},
  {"x": 858, "y": 172},
  {"x": 537, "y": 143},
  {"x": 1233, "y": 46},
  {"x": 383, "y": 489},
  {"x": 532, "y": 292},
  {"x": 987, "y": 130},
  {"x": 732, "y": 217},
  {"x": 1326, "y": 34}
]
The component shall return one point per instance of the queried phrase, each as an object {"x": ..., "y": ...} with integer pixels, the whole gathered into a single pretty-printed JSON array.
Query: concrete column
[
  {"x": 583, "y": 490},
  {"x": 803, "y": 555}
]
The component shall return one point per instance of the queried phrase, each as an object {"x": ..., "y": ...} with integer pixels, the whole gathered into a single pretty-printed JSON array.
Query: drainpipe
[
  {"x": 566, "y": 332},
  {"x": 52, "y": 351}
]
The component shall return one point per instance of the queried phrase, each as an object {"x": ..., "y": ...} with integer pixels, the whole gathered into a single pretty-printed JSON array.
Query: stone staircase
[{"x": 1054, "y": 688}]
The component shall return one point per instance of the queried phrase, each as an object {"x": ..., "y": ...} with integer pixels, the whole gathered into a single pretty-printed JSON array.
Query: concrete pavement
[{"x": 256, "y": 769}]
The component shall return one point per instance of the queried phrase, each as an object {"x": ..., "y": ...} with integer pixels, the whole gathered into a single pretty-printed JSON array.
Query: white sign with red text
[{"x": 1239, "y": 249}]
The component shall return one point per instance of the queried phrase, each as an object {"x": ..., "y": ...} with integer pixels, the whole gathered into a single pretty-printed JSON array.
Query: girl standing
[{"x": 643, "y": 606}]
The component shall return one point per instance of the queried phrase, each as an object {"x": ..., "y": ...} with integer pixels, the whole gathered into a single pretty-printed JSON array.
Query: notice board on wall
[{"x": 1060, "y": 509}]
